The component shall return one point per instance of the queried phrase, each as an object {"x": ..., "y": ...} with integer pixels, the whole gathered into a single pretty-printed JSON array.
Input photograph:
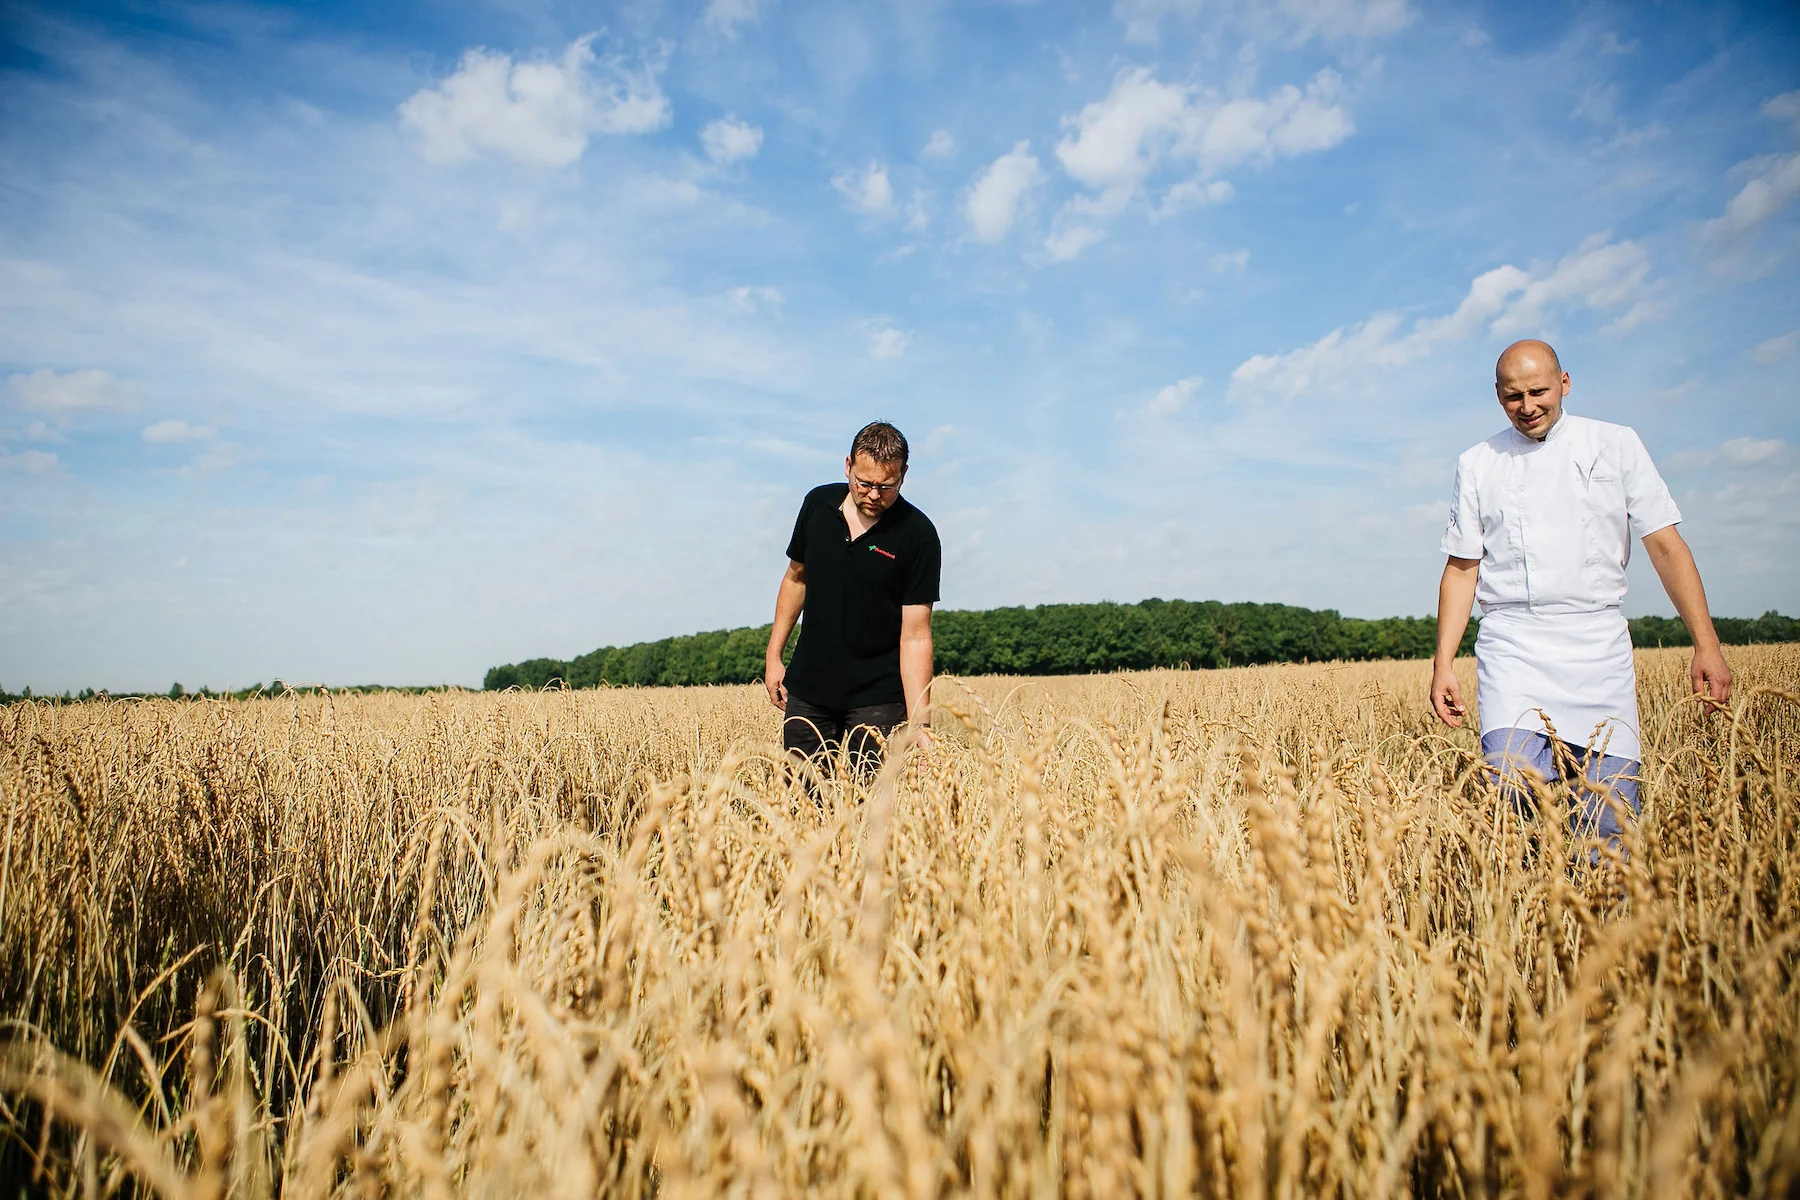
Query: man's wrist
[{"x": 1703, "y": 634}]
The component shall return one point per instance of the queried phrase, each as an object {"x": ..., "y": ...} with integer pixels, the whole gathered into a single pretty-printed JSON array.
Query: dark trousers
[{"x": 811, "y": 732}]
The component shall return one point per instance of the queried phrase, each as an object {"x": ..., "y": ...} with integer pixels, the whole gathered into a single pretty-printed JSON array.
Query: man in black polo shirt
[{"x": 863, "y": 569}]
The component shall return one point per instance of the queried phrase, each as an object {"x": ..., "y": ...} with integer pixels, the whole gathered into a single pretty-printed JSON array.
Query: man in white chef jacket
[{"x": 1542, "y": 516}]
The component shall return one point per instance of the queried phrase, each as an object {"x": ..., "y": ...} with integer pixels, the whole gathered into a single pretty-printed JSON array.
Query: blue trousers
[{"x": 1512, "y": 752}]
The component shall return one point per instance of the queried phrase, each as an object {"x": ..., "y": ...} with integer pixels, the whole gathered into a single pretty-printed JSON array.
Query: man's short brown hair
[{"x": 881, "y": 442}]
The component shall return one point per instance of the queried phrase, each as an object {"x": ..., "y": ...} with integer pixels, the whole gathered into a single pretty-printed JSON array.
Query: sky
[{"x": 386, "y": 343}]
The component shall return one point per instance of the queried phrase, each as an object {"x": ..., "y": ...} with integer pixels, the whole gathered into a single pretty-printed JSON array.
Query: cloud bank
[
  {"x": 1507, "y": 302},
  {"x": 539, "y": 111}
]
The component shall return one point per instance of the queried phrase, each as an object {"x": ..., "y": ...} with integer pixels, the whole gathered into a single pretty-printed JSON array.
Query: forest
[{"x": 1076, "y": 639}]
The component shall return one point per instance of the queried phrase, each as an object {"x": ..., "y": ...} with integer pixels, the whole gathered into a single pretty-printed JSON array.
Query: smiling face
[
  {"x": 874, "y": 486},
  {"x": 1531, "y": 384}
]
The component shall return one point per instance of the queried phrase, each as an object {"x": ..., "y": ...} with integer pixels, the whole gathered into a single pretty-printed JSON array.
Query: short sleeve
[
  {"x": 1462, "y": 534},
  {"x": 1648, "y": 504},
  {"x": 923, "y": 570},
  {"x": 797, "y": 544}
]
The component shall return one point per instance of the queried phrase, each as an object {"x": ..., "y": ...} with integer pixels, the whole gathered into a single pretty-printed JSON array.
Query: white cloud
[
  {"x": 1737, "y": 452},
  {"x": 537, "y": 111},
  {"x": 1143, "y": 18},
  {"x": 31, "y": 462},
  {"x": 1745, "y": 452},
  {"x": 1067, "y": 243},
  {"x": 176, "y": 431},
  {"x": 71, "y": 392},
  {"x": 885, "y": 341},
  {"x": 1506, "y": 301},
  {"x": 1233, "y": 262},
  {"x": 1774, "y": 182},
  {"x": 1286, "y": 123},
  {"x": 1785, "y": 107},
  {"x": 410, "y": 508},
  {"x": 1598, "y": 103},
  {"x": 941, "y": 145},
  {"x": 752, "y": 299},
  {"x": 1336, "y": 19},
  {"x": 868, "y": 190},
  {"x": 1173, "y": 398},
  {"x": 1193, "y": 193},
  {"x": 1113, "y": 144},
  {"x": 728, "y": 139},
  {"x": 1346, "y": 18},
  {"x": 994, "y": 201},
  {"x": 1600, "y": 274},
  {"x": 724, "y": 16},
  {"x": 918, "y": 211},
  {"x": 217, "y": 456},
  {"x": 1776, "y": 349},
  {"x": 1759, "y": 521},
  {"x": 1774, "y": 179}
]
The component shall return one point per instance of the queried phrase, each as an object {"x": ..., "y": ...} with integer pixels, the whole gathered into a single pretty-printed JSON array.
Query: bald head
[
  {"x": 1530, "y": 383},
  {"x": 1516, "y": 357}
]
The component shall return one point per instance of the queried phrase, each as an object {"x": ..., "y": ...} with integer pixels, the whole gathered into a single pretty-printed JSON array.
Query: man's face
[
  {"x": 873, "y": 486},
  {"x": 1531, "y": 390}
]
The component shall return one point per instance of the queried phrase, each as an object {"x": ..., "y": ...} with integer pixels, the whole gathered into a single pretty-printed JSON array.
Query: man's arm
[
  {"x": 788, "y": 603},
  {"x": 1674, "y": 564},
  {"x": 1456, "y": 592},
  {"x": 915, "y": 662}
]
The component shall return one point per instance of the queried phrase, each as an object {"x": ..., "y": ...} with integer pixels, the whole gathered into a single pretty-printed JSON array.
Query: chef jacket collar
[{"x": 1556, "y": 431}]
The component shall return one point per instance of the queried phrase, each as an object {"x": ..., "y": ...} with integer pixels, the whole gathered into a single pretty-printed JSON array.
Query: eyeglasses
[{"x": 879, "y": 489}]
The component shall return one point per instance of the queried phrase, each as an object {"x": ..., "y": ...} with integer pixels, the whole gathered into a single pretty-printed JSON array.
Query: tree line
[
  {"x": 1073, "y": 639},
  {"x": 1051, "y": 639},
  {"x": 255, "y": 691}
]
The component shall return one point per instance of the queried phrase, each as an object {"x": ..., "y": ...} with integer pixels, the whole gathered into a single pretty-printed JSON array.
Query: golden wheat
[{"x": 1264, "y": 932}]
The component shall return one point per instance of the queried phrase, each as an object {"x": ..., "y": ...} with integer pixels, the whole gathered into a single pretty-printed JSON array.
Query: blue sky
[{"x": 389, "y": 342}]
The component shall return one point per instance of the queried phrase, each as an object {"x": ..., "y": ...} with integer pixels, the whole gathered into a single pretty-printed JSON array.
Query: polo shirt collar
[{"x": 893, "y": 512}]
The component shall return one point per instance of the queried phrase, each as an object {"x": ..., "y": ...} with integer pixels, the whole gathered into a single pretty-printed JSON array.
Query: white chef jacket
[{"x": 1552, "y": 523}]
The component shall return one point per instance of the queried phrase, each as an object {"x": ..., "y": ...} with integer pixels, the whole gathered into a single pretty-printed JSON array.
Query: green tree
[{"x": 1059, "y": 639}]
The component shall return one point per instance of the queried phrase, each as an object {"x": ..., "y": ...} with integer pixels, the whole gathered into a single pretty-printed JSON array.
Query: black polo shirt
[{"x": 849, "y": 651}]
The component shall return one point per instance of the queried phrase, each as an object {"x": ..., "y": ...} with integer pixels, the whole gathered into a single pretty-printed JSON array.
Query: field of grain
[{"x": 1261, "y": 932}]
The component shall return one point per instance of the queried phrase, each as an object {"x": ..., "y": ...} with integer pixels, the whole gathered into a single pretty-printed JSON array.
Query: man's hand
[
  {"x": 1674, "y": 564},
  {"x": 1711, "y": 677},
  {"x": 774, "y": 676},
  {"x": 1456, "y": 596},
  {"x": 790, "y": 601},
  {"x": 1446, "y": 695},
  {"x": 915, "y": 667}
]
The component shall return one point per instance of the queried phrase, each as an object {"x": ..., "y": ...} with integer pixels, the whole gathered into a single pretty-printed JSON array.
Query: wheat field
[{"x": 1258, "y": 932}]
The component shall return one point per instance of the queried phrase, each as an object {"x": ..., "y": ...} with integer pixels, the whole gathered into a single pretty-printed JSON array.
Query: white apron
[{"x": 1576, "y": 667}]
